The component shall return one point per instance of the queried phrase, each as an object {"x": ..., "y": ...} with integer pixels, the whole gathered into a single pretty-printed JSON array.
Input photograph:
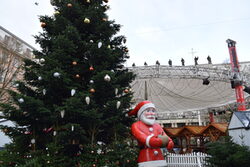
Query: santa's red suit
[{"x": 149, "y": 139}]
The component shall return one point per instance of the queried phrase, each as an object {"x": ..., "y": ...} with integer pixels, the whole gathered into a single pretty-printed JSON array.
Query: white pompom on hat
[{"x": 138, "y": 110}]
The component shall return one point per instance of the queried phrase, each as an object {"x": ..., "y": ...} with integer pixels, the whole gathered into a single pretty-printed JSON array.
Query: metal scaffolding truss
[
  {"x": 180, "y": 89},
  {"x": 220, "y": 72}
]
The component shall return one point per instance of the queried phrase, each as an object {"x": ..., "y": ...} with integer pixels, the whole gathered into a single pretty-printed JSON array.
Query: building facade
[{"x": 12, "y": 52}]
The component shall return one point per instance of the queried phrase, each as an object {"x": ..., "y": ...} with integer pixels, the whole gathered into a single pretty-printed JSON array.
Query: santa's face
[{"x": 148, "y": 116}]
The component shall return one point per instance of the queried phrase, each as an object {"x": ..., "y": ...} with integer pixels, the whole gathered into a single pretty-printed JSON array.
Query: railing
[{"x": 186, "y": 160}]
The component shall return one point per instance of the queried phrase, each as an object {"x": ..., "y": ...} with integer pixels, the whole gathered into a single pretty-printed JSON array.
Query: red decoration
[
  {"x": 91, "y": 68},
  {"x": 43, "y": 25},
  {"x": 126, "y": 91}
]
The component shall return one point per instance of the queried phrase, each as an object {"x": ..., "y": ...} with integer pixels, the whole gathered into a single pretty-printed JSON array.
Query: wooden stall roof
[
  {"x": 195, "y": 130},
  {"x": 219, "y": 126}
]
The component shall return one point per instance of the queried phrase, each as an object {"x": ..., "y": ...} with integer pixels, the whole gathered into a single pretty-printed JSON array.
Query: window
[{"x": 180, "y": 124}]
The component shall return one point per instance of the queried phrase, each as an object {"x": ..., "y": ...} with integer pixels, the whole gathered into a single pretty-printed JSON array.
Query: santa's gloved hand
[{"x": 164, "y": 140}]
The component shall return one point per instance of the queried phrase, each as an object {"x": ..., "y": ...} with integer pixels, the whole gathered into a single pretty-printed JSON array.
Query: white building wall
[{"x": 240, "y": 136}]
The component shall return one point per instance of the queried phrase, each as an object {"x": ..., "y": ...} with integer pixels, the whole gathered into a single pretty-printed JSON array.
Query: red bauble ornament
[
  {"x": 91, "y": 68},
  {"x": 126, "y": 91},
  {"x": 43, "y": 25}
]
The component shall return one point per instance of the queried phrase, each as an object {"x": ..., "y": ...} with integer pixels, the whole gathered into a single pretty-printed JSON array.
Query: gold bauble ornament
[
  {"x": 74, "y": 63},
  {"x": 56, "y": 12},
  {"x": 88, "y": 1},
  {"x": 92, "y": 90},
  {"x": 104, "y": 19},
  {"x": 86, "y": 20}
]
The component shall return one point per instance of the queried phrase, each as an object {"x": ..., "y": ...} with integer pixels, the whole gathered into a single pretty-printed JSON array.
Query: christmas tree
[{"x": 70, "y": 108}]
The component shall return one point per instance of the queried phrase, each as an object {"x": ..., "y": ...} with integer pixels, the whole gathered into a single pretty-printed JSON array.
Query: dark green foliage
[
  {"x": 227, "y": 153},
  {"x": 41, "y": 136}
]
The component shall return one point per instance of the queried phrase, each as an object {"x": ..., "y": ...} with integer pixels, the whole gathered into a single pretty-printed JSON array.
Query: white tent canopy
[{"x": 180, "y": 89}]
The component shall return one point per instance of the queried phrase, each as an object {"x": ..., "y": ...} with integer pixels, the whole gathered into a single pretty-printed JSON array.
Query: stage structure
[{"x": 188, "y": 91}]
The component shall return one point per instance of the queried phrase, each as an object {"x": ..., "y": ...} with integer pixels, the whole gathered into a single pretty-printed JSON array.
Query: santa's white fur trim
[
  {"x": 144, "y": 107},
  {"x": 148, "y": 139},
  {"x": 159, "y": 163}
]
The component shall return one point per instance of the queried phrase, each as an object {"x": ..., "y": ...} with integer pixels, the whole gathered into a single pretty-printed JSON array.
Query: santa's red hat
[{"x": 141, "y": 107}]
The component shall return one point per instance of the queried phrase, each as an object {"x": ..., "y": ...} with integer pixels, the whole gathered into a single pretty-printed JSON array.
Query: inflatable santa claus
[{"x": 150, "y": 136}]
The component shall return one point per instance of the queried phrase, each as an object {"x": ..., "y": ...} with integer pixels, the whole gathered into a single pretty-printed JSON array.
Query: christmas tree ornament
[
  {"x": 42, "y": 60},
  {"x": 107, "y": 78},
  {"x": 91, "y": 41},
  {"x": 20, "y": 100},
  {"x": 40, "y": 78},
  {"x": 73, "y": 91},
  {"x": 77, "y": 76},
  {"x": 91, "y": 68},
  {"x": 56, "y": 13},
  {"x": 16, "y": 85},
  {"x": 88, "y": 1},
  {"x": 126, "y": 90},
  {"x": 44, "y": 91},
  {"x": 56, "y": 74},
  {"x": 86, "y": 20},
  {"x": 87, "y": 100},
  {"x": 112, "y": 71},
  {"x": 116, "y": 91},
  {"x": 43, "y": 25},
  {"x": 92, "y": 90},
  {"x": 91, "y": 81},
  {"x": 118, "y": 104},
  {"x": 54, "y": 133},
  {"x": 74, "y": 63},
  {"x": 69, "y": 5},
  {"x": 99, "y": 44},
  {"x": 104, "y": 19},
  {"x": 72, "y": 128},
  {"x": 33, "y": 141},
  {"x": 108, "y": 46},
  {"x": 62, "y": 113}
]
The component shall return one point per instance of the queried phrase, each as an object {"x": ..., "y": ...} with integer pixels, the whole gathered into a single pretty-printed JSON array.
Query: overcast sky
[{"x": 155, "y": 29}]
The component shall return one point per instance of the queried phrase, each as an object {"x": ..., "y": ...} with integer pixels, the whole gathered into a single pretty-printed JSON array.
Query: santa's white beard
[{"x": 147, "y": 120}]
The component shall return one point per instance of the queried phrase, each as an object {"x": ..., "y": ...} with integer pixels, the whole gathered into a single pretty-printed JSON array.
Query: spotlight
[{"x": 206, "y": 81}]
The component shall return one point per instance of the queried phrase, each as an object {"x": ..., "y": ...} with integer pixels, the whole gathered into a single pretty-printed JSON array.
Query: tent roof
[{"x": 180, "y": 95}]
